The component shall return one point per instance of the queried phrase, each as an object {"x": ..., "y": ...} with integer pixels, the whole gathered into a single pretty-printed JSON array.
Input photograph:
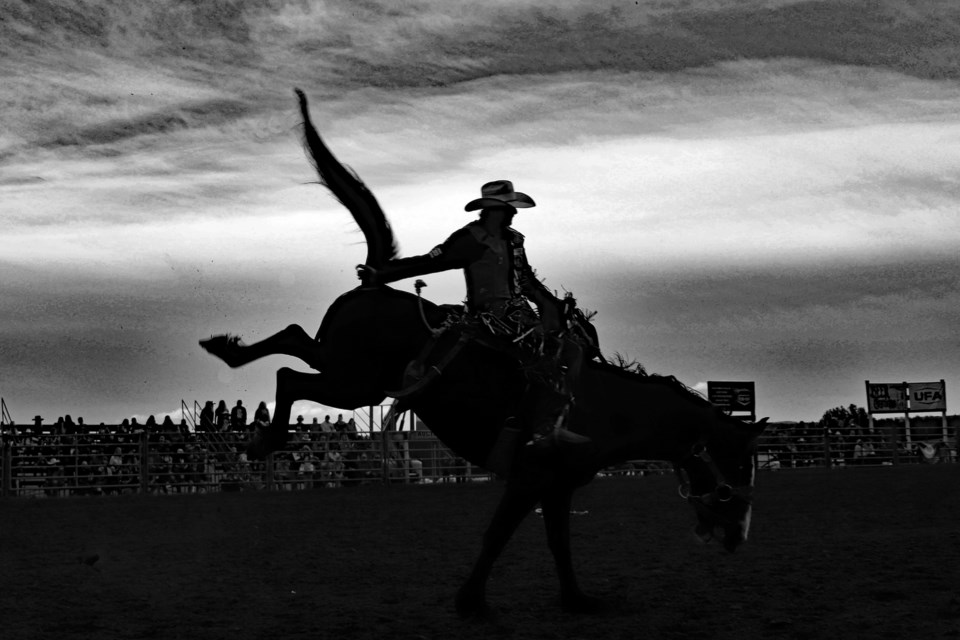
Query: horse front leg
[
  {"x": 517, "y": 502},
  {"x": 556, "y": 520},
  {"x": 292, "y": 341}
]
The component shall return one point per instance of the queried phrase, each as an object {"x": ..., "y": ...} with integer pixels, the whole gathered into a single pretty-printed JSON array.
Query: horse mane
[
  {"x": 347, "y": 187},
  {"x": 635, "y": 371}
]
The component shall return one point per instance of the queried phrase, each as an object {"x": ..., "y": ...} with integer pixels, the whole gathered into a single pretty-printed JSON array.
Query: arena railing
[{"x": 112, "y": 461}]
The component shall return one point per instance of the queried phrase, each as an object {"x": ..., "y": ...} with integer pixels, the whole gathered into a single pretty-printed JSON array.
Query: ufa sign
[
  {"x": 906, "y": 397},
  {"x": 928, "y": 396}
]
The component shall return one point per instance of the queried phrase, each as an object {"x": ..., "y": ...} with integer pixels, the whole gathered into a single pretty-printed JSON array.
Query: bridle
[{"x": 722, "y": 490}]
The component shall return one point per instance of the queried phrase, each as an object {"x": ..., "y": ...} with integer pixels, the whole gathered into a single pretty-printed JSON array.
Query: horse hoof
[
  {"x": 471, "y": 606},
  {"x": 225, "y": 347},
  {"x": 583, "y": 604}
]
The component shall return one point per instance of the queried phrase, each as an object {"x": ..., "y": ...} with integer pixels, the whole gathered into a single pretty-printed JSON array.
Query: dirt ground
[{"x": 853, "y": 553}]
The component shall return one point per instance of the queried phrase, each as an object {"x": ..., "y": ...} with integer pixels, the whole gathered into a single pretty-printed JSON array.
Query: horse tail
[{"x": 347, "y": 187}]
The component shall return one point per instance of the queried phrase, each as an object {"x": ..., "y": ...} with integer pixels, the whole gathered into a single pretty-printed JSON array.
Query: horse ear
[{"x": 756, "y": 428}]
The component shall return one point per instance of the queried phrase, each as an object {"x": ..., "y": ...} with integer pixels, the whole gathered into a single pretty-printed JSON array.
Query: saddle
[
  {"x": 457, "y": 330},
  {"x": 514, "y": 334}
]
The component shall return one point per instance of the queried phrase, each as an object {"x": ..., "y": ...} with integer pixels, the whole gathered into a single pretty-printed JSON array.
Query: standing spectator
[
  {"x": 326, "y": 427},
  {"x": 262, "y": 414},
  {"x": 340, "y": 425},
  {"x": 351, "y": 429},
  {"x": 238, "y": 417},
  {"x": 223, "y": 416},
  {"x": 206, "y": 416},
  {"x": 301, "y": 434},
  {"x": 315, "y": 431}
]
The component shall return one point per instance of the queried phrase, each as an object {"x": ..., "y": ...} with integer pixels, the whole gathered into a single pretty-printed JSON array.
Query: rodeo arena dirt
[{"x": 333, "y": 539}]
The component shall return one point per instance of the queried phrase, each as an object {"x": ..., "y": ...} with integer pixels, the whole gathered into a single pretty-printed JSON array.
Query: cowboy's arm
[{"x": 456, "y": 252}]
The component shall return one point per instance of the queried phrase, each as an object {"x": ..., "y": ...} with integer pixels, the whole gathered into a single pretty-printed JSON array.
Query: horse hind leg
[{"x": 291, "y": 341}]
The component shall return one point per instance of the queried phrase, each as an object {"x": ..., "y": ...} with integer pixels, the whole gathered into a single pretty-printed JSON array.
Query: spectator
[
  {"x": 262, "y": 414},
  {"x": 115, "y": 471},
  {"x": 223, "y": 417},
  {"x": 315, "y": 431},
  {"x": 238, "y": 417},
  {"x": 300, "y": 433},
  {"x": 326, "y": 427},
  {"x": 340, "y": 425},
  {"x": 206, "y": 416},
  {"x": 351, "y": 429}
]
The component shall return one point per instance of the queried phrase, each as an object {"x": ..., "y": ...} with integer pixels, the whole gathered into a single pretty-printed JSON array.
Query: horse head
[{"x": 717, "y": 477}]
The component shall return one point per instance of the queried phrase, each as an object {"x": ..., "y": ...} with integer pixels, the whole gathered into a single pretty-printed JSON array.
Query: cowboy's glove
[{"x": 367, "y": 274}]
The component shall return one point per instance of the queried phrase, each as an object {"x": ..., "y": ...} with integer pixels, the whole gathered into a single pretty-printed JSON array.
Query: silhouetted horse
[{"x": 368, "y": 336}]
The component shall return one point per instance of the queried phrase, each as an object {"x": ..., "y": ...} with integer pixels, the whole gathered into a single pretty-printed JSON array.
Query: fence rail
[{"x": 114, "y": 462}]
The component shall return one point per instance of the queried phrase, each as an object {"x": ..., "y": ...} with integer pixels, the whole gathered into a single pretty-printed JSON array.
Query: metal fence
[
  {"x": 793, "y": 445},
  {"x": 106, "y": 463},
  {"x": 112, "y": 462}
]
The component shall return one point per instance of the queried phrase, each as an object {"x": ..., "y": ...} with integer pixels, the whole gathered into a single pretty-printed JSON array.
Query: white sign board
[{"x": 928, "y": 396}]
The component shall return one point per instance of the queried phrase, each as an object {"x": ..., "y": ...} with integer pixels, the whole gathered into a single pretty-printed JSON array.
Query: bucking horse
[{"x": 369, "y": 336}]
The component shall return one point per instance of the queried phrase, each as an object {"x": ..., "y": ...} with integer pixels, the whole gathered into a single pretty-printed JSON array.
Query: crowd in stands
[
  {"x": 831, "y": 442},
  {"x": 72, "y": 458}
]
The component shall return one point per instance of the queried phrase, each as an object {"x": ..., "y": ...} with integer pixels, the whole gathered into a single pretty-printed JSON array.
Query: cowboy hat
[{"x": 497, "y": 193}]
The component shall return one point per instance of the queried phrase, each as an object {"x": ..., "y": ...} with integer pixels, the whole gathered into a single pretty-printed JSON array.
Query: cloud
[{"x": 201, "y": 114}]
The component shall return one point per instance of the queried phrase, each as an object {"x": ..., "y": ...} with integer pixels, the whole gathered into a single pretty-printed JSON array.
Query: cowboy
[{"x": 500, "y": 282}]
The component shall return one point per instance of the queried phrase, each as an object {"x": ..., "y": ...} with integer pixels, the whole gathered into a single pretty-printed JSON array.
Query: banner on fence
[
  {"x": 886, "y": 398},
  {"x": 732, "y": 396},
  {"x": 928, "y": 396}
]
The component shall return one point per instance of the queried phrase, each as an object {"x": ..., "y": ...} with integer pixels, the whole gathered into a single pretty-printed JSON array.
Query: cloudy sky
[{"x": 743, "y": 190}]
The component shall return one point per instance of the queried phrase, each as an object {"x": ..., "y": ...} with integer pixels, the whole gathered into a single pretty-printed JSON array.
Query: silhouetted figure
[
  {"x": 223, "y": 416},
  {"x": 238, "y": 416},
  {"x": 206, "y": 416},
  {"x": 262, "y": 414},
  {"x": 501, "y": 286}
]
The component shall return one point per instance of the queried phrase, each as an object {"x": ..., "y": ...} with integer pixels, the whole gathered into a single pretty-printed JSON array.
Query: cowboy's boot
[{"x": 549, "y": 421}]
